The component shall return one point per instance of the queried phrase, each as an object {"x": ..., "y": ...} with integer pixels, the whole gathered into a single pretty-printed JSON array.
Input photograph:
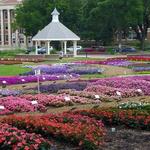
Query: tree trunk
[
  {"x": 120, "y": 39},
  {"x": 143, "y": 43}
]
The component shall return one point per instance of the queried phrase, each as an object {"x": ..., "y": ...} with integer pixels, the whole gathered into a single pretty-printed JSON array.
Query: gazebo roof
[{"x": 55, "y": 31}]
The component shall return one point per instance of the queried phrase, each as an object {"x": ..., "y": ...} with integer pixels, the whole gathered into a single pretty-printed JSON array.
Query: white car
[{"x": 71, "y": 48}]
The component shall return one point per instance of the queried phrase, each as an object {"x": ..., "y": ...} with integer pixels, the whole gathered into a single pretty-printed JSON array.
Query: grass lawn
[
  {"x": 143, "y": 72},
  {"x": 11, "y": 53},
  {"x": 92, "y": 76},
  {"x": 10, "y": 70}
]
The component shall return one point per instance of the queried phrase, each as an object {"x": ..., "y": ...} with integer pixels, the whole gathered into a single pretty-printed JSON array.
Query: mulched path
[{"x": 126, "y": 139}]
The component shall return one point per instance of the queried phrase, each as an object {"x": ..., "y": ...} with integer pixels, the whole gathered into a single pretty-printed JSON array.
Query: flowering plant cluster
[
  {"x": 90, "y": 95},
  {"x": 110, "y": 91},
  {"x": 32, "y": 78},
  {"x": 10, "y": 62},
  {"x": 141, "y": 68},
  {"x": 58, "y": 100},
  {"x": 137, "y": 85},
  {"x": 55, "y": 87},
  {"x": 7, "y": 92},
  {"x": 80, "y": 130},
  {"x": 39, "y": 102},
  {"x": 134, "y": 105},
  {"x": 111, "y": 62},
  {"x": 68, "y": 68},
  {"x": 13, "y": 138},
  {"x": 129, "y": 118},
  {"x": 18, "y": 60},
  {"x": 17, "y": 104},
  {"x": 139, "y": 57}
]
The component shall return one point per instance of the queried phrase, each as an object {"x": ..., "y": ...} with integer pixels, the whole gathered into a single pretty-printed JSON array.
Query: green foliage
[
  {"x": 33, "y": 15},
  {"x": 10, "y": 70},
  {"x": 98, "y": 20},
  {"x": 111, "y": 16},
  {"x": 11, "y": 53}
]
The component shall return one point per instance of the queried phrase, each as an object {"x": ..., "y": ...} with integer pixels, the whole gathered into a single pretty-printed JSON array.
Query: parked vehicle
[
  {"x": 29, "y": 49},
  {"x": 43, "y": 50},
  {"x": 95, "y": 49},
  {"x": 126, "y": 50},
  {"x": 71, "y": 48}
]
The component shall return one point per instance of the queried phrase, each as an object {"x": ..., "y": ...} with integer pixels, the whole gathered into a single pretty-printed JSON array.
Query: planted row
[
  {"x": 11, "y": 138},
  {"x": 39, "y": 102},
  {"x": 76, "y": 129},
  {"x": 130, "y": 118}
]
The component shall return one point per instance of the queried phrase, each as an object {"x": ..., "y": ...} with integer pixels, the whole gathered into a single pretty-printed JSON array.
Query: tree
[
  {"x": 142, "y": 26},
  {"x": 111, "y": 16},
  {"x": 33, "y": 15}
]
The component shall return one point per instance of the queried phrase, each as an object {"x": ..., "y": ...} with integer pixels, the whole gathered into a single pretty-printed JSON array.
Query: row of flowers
[
  {"x": 120, "y": 63},
  {"x": 134, "y": 105},
  {"x": 69, "y": 68},
  {"x": 4, "y": 62},
  {"x": 91, "y": 95},
  {"x": 111, "y": 91},
  {"x": 32, "y": 78},
  {"x": 13, "y": 138},
  {"x": 55, "y": 87},
  {"x": 80, "y": 130},
  {"x": 113, "y": 62},
  {"x": 8, "y": 92},
  {"x": 141, "y": 68},
  {"x": 113, "y": 87},
  {"x": 39, "y": 102},
  {"x": 140, "y": 84},
  {"x": 129, "y": 118},
  {"x": 19, "y": 60}
]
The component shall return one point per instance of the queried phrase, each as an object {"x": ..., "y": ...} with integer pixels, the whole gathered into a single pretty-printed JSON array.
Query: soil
[
  {"x": 126, "y": 139},
  {"x": 121, "y": 139}
]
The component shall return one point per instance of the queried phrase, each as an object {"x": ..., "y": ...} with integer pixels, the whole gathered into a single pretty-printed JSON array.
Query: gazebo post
[
  {"x": 65, "y": 47},
  {"x": 62, "y": 45},
  {"x": 74, "y": 48},
  {"x": 36, "y": 47},
  {"x": 48, "y": 45}
]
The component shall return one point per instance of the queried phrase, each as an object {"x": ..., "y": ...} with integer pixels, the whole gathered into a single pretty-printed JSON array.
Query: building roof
[
  {"x": 10, "y": 1},
  {"x": 55, "y": 12},
  {"x": 55, "y": 31}
]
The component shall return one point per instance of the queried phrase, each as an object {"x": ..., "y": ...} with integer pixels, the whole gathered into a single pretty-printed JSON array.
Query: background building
[{"x": 9, "y": 37}]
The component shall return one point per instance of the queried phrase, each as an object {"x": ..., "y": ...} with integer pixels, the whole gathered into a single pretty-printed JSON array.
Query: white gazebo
[{"x": 56, "y": 31}]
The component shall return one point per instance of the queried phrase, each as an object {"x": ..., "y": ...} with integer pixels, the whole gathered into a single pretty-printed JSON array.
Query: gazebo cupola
[
  {"x": 56, "y": 31},
  {"x": 55, "y": 15}
]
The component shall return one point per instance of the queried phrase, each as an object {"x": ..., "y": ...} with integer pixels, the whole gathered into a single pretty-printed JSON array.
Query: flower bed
[
  {"x": 110, "y": 91},
  {"x": 4, "y": 62},
  {"x": 77, "y": 129},
  {"x": 65, "y": 69},
  {"x": 16, "y": 104},
  {"x": 27, "y": 79},
  {"x": 125, "y": 84},
  {"x": 39, "y": 102},
  {"x": 141, "y": 68},
  {"x": 90, "y": 95},
  {"x": 135, "y": 105},
  {"x": 113, "y": 62},
  {"x": 129, "y": 118},
  {"x": 7, "y": 92},
  {"x": 58, "y": 100},
  {"x": 13, "y": 138},
  {"x": 54, "y": 88}
]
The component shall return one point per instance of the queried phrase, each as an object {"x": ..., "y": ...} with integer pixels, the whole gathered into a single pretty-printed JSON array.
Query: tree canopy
[{"x": 90, "y": 19}]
